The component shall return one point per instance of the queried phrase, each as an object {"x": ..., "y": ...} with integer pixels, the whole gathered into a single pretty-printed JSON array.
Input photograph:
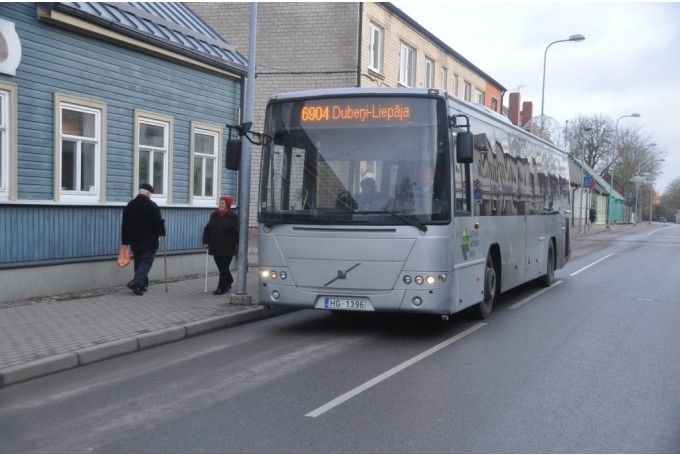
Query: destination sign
[{"x": 334, "y": 112}]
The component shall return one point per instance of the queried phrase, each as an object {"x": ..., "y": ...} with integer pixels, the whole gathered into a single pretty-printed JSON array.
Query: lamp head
[
  {"x": 636, "y": 115},
  {"x": 578, "y": 37}
]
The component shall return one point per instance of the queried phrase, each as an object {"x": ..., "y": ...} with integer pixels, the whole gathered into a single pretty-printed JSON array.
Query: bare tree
[
  {"x": 591, "y": 139},
  {"x": 627, "y": 153},
  {"x": 671, "y": 199}
]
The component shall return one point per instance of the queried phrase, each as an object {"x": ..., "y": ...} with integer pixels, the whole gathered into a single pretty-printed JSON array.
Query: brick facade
[{"x": 309, "y": 45}]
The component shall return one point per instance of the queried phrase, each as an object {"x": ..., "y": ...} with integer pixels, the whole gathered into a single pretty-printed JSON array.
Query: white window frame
[
  {"x": 455, "y": 84},
  {"x": 467, "y": 94},
  {"x": 445, "y": 78},
  {"x": 407, "y": 65},
  {"x": 97, "y": 191},
  {"x": 6, "y": 150},
  {"x": 429, "y": 73},
  {"x": 479, "y": 96},
  {"x": 375, "y": 48},
  {"x": 215, "y": 156},
  {"x": 162, "y": 192},
  {"x": 494, "y": 104}
]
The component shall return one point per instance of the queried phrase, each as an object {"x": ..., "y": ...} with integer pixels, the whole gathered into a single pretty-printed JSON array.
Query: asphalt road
[{"x": 590, "y": 365}]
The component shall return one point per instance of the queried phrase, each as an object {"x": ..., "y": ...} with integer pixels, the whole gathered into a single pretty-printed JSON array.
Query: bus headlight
[
  {"x": 407, "y": 279},
  {"x": 267, "y": 274},
  {"x": 430, "y": 279},
  {"x": 419, "y": 280}
]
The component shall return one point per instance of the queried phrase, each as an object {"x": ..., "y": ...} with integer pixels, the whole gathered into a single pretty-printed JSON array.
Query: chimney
[
  {"x": 513, "y": 108},
  {"x": 527, "y": 112}
]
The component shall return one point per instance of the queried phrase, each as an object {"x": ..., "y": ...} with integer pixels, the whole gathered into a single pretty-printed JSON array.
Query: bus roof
[{"x": 349, "y": 91}]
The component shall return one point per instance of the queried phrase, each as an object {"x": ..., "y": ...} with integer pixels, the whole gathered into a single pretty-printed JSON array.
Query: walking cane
[
  {"x": 206, "y": 270},
  {"x": 165, "y": 259}
]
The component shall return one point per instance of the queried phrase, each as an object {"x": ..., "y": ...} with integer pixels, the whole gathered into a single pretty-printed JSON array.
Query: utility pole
[{"x": 240, "y": 296}]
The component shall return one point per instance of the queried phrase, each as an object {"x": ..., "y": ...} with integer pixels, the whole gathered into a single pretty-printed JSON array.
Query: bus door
[{"x": 467, "y": 243}]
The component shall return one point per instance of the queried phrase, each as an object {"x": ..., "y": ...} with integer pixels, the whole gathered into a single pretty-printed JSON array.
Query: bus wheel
[
  {"x": 547, "y": 279},
  {"x": 490, "y": 290}
]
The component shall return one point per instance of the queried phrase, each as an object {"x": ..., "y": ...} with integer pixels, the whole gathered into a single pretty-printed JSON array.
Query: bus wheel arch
[{"x": 492, "y": 279}]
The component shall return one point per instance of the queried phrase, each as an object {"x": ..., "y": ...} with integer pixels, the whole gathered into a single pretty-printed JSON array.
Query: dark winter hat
[{"x": 147, "y": 187}]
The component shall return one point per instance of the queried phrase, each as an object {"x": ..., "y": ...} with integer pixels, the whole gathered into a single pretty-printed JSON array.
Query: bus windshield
[{"x": 356, "y": 160}]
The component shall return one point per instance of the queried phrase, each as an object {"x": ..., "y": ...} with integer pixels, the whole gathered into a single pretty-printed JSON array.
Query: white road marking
[
  {"x": 378, "y": 379},
  {"x": 522, "y": 302},
  {"x": 590, "y": 265}
]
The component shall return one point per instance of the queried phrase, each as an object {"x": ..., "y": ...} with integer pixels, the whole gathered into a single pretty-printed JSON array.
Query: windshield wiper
[
  {"x": 297, "y": 219},
  {"x": 294, "y": 219},
  {"x": 421, "y": 227}
]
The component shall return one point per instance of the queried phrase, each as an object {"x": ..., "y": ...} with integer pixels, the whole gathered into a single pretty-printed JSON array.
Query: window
[
  {"x": 153, "y": 153},
  {"x": 467, "y": 96},
  {"x": 494, "y": 104},
  {"x": 445, "y": 77},
  {"x": 407, "y": 65},
  {"x": 429, "y": 73},
  {"x": 205, "y": 158},
  {"x": 455, "y": 84},
  {"x": 479, "y": 96},
  {"x": 4, "y": 143},
  {"x": 375, "y": 50},
  {"x": 79, "y": 161}
]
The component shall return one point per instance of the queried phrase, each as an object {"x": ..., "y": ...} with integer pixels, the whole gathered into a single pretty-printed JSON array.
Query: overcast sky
[{"x": 628, "y": 63}]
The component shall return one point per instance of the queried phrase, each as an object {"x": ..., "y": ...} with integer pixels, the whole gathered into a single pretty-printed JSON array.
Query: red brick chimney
[
  {"x": 527, "y": 112},
  {"x": 513, "y": 108}
]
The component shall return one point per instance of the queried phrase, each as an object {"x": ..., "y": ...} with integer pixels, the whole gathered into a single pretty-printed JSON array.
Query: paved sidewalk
[{"x": 43, "y": 336}]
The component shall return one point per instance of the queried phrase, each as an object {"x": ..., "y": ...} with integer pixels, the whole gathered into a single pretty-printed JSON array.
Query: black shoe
[
  {"x": 135, "y": 289},
  {"x": 219, "y": 291}
]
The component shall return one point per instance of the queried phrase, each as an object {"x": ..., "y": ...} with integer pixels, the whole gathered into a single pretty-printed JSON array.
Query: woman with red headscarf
[{"x": 220, "y": 236}]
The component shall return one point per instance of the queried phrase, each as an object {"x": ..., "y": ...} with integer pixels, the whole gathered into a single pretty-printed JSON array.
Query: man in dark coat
[{"x": 142, "y": 225}]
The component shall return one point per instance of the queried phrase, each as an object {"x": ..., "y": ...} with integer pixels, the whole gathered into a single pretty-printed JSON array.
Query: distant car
[{"x": 662, "y": 219}]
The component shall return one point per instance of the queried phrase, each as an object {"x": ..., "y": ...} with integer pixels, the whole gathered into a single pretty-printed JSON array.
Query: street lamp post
[
  {"x": 651, "y": 199},
  {"x": 611, "y": 170},
  {"x": 637, "y": 180},
  {"x": 651, "y": 192},
  {"x": 580, "y": 204},
  {"x": 576, "y": 38}
]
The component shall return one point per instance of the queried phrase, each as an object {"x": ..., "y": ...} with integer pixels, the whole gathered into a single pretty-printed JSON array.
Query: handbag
[{"x": 123, "y": 256}]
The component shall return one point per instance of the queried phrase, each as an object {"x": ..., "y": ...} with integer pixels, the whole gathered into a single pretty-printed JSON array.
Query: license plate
[{"x": 345, "y": 303}]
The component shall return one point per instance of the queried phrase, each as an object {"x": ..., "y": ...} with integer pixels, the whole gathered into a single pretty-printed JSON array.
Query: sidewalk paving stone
[{"x": 43, "y": 336}]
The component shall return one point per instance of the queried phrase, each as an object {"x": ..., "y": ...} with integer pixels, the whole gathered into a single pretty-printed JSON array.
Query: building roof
[
  {"x": 601, "y": 185},
  {"x": 430, "y": 36},
  {"x": 168, "y": 25}
]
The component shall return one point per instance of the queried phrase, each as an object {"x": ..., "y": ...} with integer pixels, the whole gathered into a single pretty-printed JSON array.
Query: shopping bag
[{"x": 123, "y": 256}]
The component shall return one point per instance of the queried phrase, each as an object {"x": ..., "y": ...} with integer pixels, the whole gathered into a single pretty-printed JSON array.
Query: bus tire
[
  {"x": 490, "y": 289},
  {"x": 547, "y": 279}
]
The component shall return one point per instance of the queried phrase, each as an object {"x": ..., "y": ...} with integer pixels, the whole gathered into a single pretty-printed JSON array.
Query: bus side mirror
[
  {"x": 464, "y": 147},
  {"x": 232, "y": 158}
]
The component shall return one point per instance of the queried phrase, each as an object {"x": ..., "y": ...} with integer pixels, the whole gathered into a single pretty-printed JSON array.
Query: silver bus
[{"x": 404, "y": 200}]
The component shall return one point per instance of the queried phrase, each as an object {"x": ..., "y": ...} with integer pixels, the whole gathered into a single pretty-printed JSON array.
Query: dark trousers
[
  {"x": 143, "y": 260},
  {"x": 226, "y": 279}
]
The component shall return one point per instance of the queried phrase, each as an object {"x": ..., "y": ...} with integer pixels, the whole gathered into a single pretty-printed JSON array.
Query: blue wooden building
[{"x": 96, "y": 98}]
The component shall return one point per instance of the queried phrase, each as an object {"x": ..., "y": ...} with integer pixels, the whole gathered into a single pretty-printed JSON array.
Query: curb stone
[{"x": 67, "y": 361}]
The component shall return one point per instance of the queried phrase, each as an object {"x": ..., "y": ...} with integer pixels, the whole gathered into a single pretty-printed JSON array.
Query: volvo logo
[{"x": 342, "y": 274}]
